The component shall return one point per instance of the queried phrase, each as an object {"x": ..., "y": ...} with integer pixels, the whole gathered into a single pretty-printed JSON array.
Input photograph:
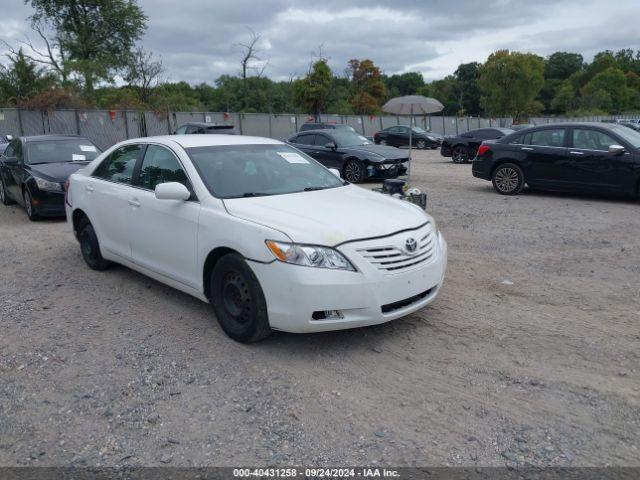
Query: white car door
[
  {"x": 164, "y": 233},
  {"x": 107, "y": 194}
]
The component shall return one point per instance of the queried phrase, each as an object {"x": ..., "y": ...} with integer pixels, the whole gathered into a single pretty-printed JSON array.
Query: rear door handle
[
  {"x": 89, "y": 188},
  {"x": 576, "y": 153},
  {"x": 134, "y": 203},
  {"x": 526, "y": 148}
]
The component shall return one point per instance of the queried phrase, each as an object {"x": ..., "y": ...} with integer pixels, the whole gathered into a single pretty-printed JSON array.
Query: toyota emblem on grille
[{"x": 410, "y": 245}]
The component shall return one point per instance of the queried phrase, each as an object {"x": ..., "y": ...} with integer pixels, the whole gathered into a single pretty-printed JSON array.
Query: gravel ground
[{"x": 531, "y": 354}]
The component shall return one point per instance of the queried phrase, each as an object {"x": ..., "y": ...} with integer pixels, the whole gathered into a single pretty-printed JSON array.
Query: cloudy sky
[{"x": 198, "y": 39}]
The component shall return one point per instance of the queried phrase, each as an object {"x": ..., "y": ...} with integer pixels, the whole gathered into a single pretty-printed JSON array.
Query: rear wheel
[
  {"x": 459, "y": 154},
  {"x": 508, "y": 179},
  {"x": 238, "y": 300},
  {"x": 90, "y": 247},
  {"x": 421, "y": 144},
  {"x": 28, "y": 206},
  {"x": 354, "y": 171},
  {"x": 4, "y": 196},
  {"x": 382, "y": 142}
]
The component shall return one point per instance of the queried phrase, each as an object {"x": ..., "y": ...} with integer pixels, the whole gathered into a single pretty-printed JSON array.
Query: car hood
[
  {"x": 329, "y": 217},
  {"x": 390, "y": 153},
  {"x": 56, "y": 171}
]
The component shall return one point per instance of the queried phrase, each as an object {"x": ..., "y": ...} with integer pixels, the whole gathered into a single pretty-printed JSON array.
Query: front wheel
[
  {"x": 354, "y": 171},
  {"x": 28, "y": 205},
  {"x": 421, "y": 144},
  {"x": 459, "y": 154},
  {"x": 4, "y": 196},
  {"x": 508, "y": 179},
  {"x": 238, "y": 300},
  {"x": 90, "y": 247}
]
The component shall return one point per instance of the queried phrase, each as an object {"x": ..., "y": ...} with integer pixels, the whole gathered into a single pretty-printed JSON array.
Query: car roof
[
  {"x": 42, "y": 138},
  {"x": 210, "y": 140},
  {"x": 605, "y": 125}
]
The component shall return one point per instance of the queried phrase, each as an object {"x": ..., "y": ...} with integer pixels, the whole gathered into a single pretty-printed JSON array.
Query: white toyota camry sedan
[{"x": 274, "y": 240}]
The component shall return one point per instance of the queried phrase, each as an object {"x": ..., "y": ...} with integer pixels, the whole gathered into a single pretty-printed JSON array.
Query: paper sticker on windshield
[
  {"x": 88, "y": 148},
  {"x": 76, "y": 157},
  {"x": 293, "y": 157}
]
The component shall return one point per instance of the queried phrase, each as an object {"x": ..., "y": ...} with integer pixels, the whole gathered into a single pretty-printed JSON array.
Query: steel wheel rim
[
  {"x": 236, "y": 297},
  {"x": 27, "y": 202},
  {"x": 352, "y": 172},
  {"x": 507, "y": 179}
]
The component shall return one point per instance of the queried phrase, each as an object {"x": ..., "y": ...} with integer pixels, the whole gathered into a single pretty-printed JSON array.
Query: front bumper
[
  {"x": 445, "y": 150},
  {"x": 366, "y": 297},
  {"x": 386, "y": 170},
  {"x": 48, "y": 204}
]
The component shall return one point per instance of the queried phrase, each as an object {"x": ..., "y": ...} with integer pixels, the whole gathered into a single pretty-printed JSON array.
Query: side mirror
[
  {"x": 616, "y": 149},
  {"x": 336, "y": 172},
  {"x": 330, "y": 145},
  {"x": 172, "y": 191},
  {"x": 11, "y": 161},
  {"x": 9, "y": 137}
]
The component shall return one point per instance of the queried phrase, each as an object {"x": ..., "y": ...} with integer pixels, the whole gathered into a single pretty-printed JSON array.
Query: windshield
[
  {"x": 419, "y": 130},
  {"x": 235, "y": 171},
  {"x": 627, "y": 134},
  {"x": 58, "y": 151},
  {"x": 347, "y": 138}
]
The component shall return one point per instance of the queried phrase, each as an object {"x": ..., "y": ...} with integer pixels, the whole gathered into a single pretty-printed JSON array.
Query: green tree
[
  {"x": 96, "y": 36},
  {"x": 313, "y": 92},
  {"x": 608, "y": 90},
  {"x": 561, "y": 65},
  {"x": 367, "y": 88},
  {"x": 23, "y": 79},
  {"x": 565, "y": 98},
  {"x": 445, "y": 91},
  {"x": 509, "y": 83},
  {"x": 404, "y": 83},
  {"x": 467, "y": 90}
]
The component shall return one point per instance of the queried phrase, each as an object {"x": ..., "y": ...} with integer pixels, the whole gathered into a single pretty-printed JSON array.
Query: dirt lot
[{"x": 531, "y": 355}]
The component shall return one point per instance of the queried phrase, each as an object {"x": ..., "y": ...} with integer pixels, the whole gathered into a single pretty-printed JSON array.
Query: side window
[
  {"x": 592, "y": 139},
  {"x": 182, "y": 130},
  {"x": 10, "y": 150},
  {"x": 191, "y": 129},
  {"x": 160, "y": 166},
  {"x": 307, "y": 139},
  {"x": 200, "y": 130},
  {"x": 322, "y": 140},
  {"x": 518, "y": 140},
  {"x": 551, "y": 137},
  {"x": 120, "y": 165}
]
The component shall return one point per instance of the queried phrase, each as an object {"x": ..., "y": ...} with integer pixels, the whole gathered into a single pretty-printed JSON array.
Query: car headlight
[
  {"x": 433, "y": 139},
  {"x": 309, "y": 255},
  {"x": 47, "y": 185}
]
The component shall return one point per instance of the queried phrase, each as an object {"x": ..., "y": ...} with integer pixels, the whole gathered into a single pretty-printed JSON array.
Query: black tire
[
  {"x": 28, "y": 206},
  {"x": 460, "y": 154},
  {"x": 508, "y": 179},
  {"x": 90, "y": 247},
  {"x": 238, "y": 300},
  {"x": 4, "y": 196},
  {"x": 353, "y": 171},
  {"x": 382, "y": 142},
  {"x": 421, "y": 144}
]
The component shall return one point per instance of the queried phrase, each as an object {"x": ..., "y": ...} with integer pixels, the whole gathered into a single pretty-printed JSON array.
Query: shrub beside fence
[{"x": 106, "y": 127}]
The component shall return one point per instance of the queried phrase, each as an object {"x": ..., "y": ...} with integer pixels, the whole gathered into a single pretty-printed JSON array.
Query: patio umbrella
[{"x": 411, "y": 105}]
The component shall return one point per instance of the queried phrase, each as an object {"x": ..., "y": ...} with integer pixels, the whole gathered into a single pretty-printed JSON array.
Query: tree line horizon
[{"x": 88, "y": 44}]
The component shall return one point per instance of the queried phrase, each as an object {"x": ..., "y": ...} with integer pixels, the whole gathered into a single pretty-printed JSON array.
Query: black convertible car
[
  {"x": 588, "y": 157},
  {"x": 355, "y": 156},
  {"x": 33, "y": 171},
  {"x": 462, "y": 148}
]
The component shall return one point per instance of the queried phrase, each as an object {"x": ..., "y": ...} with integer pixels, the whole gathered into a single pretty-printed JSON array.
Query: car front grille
[
  {"x": 391, "y": 307},
  {"x": 393, "y": 257}
]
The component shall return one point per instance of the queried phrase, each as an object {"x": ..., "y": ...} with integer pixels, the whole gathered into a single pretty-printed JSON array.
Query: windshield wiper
[
  {"x": 312, "y": 189},
  {"x": 254, "y": 194}
]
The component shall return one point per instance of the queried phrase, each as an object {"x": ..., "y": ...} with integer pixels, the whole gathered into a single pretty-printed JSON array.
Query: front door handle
[
  {"x": 576, "y": 153},
  {"x": 526, "y": 148},
  {"x": 89, "y": 188},
  {"x": 134, "y": 203}
]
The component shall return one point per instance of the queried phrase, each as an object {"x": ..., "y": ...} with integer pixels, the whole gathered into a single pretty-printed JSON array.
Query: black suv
[{"x": 590, "y": 157}]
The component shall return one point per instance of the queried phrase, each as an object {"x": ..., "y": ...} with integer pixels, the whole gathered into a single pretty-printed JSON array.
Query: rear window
[{"x": 56, "y": 151}]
